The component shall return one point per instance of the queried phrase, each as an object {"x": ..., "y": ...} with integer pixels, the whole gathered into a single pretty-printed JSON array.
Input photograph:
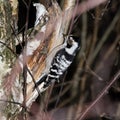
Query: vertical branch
[
  {"x": 24, "y": 84},
  {"x": 105, "y": 36},
  {"x": 67, "y": 4},
  {"x": 84, "y": 32}
]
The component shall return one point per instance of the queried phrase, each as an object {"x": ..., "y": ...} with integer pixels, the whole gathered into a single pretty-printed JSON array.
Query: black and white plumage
[{"x": 62, "y": 60}]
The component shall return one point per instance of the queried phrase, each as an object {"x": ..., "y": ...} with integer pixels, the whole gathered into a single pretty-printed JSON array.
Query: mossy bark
[
  {"x": 6, "y": 54},
  {"x": 6, "y": 31}
]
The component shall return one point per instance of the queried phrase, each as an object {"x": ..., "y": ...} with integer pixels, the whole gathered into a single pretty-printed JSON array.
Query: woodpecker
[{"x": 61, "y": 61}]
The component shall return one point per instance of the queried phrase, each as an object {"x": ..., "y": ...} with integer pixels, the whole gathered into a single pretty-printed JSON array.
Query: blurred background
[{"x": 93, "y": 68}]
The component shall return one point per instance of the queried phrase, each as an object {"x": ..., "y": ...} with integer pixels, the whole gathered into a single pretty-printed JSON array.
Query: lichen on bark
[
  {"x": 7, "y": 43},
  {"x": 6, "y": 31}
]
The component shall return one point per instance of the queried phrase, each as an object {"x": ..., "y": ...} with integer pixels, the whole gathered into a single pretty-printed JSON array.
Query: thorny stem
[{"x": 117, "y": 76}]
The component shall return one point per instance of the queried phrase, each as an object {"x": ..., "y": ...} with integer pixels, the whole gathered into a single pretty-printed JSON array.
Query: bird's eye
[{"x": 69, "y": 42}]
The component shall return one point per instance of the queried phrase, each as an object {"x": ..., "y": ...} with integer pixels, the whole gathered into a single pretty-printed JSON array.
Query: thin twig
[
  {"x": 73, "y": 16},
  {"x": 25, "y": 86},
  {"x": 33, "y": 79},
  {"x": 13, "y": 102},
  {"x": 105, "y": 36},
  {"x": 108, "y": 53},
  {"x": 116, "y": 77},
  {"x": 84, "y": 32},
  {"x": 9, "y": 48},
  {"x": 61, "y": 88}
]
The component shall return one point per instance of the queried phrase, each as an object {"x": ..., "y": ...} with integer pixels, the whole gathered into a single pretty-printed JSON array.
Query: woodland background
[{"x": 91, "y": 86}]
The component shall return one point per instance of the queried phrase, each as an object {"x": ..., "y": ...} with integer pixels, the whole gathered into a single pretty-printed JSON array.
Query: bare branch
[{"x": 116, "y": 77}]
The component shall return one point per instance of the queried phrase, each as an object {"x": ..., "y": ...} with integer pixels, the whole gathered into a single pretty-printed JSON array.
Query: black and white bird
[{"x": 60, "y": 63}]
